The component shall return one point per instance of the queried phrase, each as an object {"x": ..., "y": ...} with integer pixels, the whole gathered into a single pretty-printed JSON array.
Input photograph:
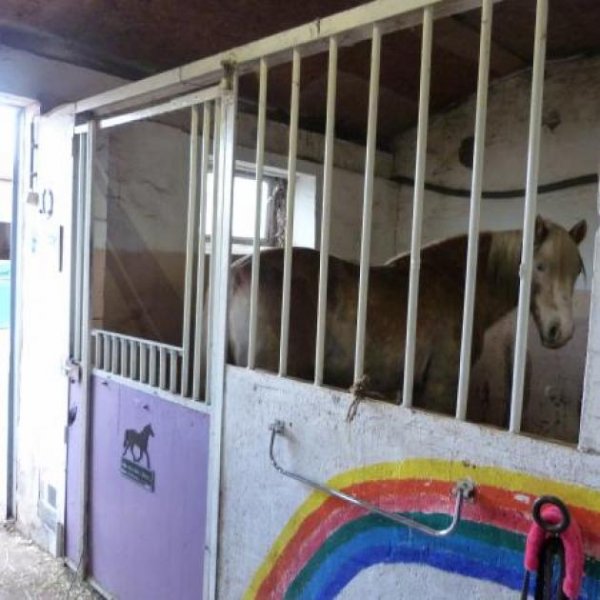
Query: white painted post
[
  {"x": 79, "y": 234},
  {"x": 474, "y": 214},
  {"x": 86, "y": 367},
  {"x": 260, "y": 159},
  {"x": 326, "y": 212},
  {"x": 365, "y": 247},
  {"x": 213, "y": 255},
  {"x": 417, "y": 220},
  {"x": 189, "y": 250},
  {"x": 201, "y": 270},
  {"x": 525, "y": 272},
  {"x": 289, "y": 220},
  {"x": 221, "y": 246}
]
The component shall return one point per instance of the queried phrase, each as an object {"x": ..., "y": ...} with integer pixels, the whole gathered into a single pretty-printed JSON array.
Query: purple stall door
[{"x": 147, "y": 494}]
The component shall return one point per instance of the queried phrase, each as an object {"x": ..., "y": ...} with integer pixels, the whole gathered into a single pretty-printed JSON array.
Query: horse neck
[{"x": 501, "y": 275}]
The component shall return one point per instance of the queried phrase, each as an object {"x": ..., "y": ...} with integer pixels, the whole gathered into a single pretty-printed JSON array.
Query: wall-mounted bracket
[{"x": 463, "y": 490}]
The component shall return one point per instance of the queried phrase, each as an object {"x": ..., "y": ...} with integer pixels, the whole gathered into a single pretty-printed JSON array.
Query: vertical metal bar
[
  {"x": 84, "y": 405},
  {"x": 133, "y": 355},
  {"x": 98, "y": 350},
  {"x": 152, "y": 365},
  {"x": 417, "y": 220},
  {"x": 201, "y": 271},
  {"x": 212, "y": 280},
  {"x": 143, "y": 363},
  {"x": 326, "y": 212},
  {"x": 106, "y": 348},
  {"x": 173, "y": 372},
  {"x": 114, "y": 351},
  {"x": 162, "y": 368},
  {"x": 525, "y": 272},
  {"x": 474, "y": 214},
  {"x": 289, "y": 220},
  {"x": 365, "y": 248},
  {"x": 189, "y": 250},
  {"x": 79, "y": 224},
  {"x": 260, "y": 159},
  {"x": 218, "y": 318},
  {"x": 123, "y": 352}
]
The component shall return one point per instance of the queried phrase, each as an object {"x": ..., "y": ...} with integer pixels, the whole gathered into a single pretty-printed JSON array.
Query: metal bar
[
  {"x": 152, "y": 366},
  {"x": 474, "y": 214},
  {"x": 178, "y": 103},
  {"x": 98, "y": 350},
  {"x": 81, "y": 175},
  {"x": 260, "y": 159},
  {"x": 86, "y": 368},
  {"x": 365, "y": 248},
  {"x": 144, "y": 363},
  {"x": 464, "y": 490},
  {"x": 114, "y": 349},
  {"x": 201, "y": 271},
  {"x": 525, "y": 272},
  {"x": 351, "y": 26},
  {"x": 417, "y": 221},
  {"x": 133, "y": 356},
  {"x": 326, "y": 212},
  {"x": 173, "y": 372},
  {"x": 162, "y": 369},
  {"x": 189, "y": 250},
  {"x": 123, "y": 353},
  {"x": 212, "y": 278},
  {"x": 106, "y": 347},
  {"x": 289, "y": 212}
]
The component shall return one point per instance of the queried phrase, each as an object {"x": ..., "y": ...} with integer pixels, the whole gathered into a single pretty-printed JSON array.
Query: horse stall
[{"x": 330, "y": 335}]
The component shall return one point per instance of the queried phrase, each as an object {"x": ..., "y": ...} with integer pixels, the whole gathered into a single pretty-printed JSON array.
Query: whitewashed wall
[
  {"x": 569, "y": 149},
  {"x": 40, "y": 434}
]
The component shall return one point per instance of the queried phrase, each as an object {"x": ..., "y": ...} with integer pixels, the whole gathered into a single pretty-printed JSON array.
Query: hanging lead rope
[{"x": 553, "y": 538}]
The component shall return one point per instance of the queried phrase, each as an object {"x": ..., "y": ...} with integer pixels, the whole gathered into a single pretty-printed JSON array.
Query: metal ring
[{"x": 555, "y": 528}]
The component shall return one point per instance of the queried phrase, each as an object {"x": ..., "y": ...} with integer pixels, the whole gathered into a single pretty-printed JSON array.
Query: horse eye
[{"x": 541, "y": 267}]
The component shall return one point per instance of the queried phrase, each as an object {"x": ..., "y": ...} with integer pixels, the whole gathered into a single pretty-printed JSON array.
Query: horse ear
[
  {"x": 541, "y": 230},
  {"x": 578, "y": 231}
]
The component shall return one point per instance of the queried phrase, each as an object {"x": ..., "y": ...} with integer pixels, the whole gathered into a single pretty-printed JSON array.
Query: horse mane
[{"x": 502, "y": 268}]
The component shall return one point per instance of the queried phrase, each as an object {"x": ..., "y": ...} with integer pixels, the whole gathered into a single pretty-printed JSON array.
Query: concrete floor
[{"x": 28, "y": 573}]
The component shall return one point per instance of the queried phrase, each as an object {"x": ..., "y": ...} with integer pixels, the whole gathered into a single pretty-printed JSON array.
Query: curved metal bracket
[{"x": 464, "y": 490}]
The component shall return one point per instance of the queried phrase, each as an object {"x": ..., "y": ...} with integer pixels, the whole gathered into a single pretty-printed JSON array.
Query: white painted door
[{"x": 45, "y": 318}]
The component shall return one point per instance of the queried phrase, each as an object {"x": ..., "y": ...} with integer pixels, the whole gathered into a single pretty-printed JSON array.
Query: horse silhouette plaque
[{"x": 132, "y": 469}]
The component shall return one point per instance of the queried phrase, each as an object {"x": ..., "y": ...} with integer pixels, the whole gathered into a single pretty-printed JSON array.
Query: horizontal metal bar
[
  {"x": 351, "y": 26},
  {"x": 177, "y": 103},
  {"x": 464, "y": 490}
]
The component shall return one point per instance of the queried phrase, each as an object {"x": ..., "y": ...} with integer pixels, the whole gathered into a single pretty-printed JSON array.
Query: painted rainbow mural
[{"x": 327, "y": 543}]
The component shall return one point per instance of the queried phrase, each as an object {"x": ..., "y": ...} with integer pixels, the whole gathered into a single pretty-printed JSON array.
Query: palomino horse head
[{"x": 556, "y": 266}]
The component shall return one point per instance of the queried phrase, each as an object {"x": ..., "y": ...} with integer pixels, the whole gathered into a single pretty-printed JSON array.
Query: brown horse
[{"x": 557, "y": 264}]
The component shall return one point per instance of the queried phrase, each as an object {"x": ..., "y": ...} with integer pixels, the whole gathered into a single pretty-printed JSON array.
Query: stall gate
[{"x": 254, "y": 433}]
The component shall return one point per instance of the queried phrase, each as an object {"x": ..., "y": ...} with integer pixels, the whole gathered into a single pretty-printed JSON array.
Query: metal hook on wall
[{"x": 463, "y": 490}]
